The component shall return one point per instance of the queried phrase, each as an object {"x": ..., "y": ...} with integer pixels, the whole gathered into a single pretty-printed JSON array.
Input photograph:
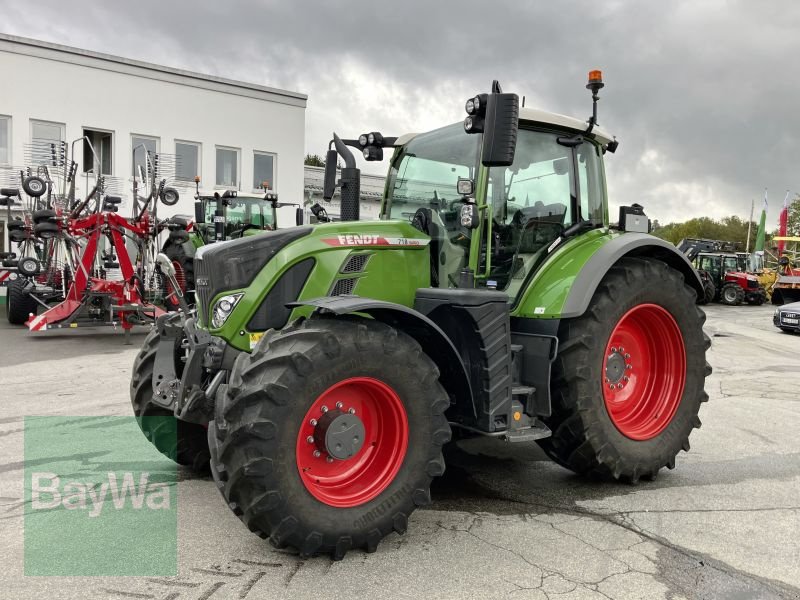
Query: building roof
[{"x": 88, "y": 58}]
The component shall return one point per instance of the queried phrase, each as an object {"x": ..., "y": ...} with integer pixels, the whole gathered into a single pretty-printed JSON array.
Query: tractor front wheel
[
  {"x": 629, "y": 376},
  {"x": 731, "y": 294},
  {"x": 183, "y": 442},
  {"x": 329, "y": 434}
]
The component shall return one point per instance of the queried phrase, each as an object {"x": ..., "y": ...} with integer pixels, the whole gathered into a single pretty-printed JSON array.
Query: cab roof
[{"x": 543, "y": 117}]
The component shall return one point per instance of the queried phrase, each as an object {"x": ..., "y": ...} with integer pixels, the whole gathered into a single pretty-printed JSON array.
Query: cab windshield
[{"x": 425, "y": 173}]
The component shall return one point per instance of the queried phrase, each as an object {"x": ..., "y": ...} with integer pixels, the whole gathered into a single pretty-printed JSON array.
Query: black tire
[
  {"x": 34, "y": 186},
  {"x": 709, "y": 290},
  {"x": 185, "y": 443},
  {"x": 46, "y": 230},
  {"x": 731, "y": 294},
  {"x": 45, "y": 215},
  {"x": 176, "y": 252},
  {"x": 259, "y": 415},
  {"x": 585, "y": 439},
  {"x": 19, "y": 303},
  {"x": 170, "y": 196}
]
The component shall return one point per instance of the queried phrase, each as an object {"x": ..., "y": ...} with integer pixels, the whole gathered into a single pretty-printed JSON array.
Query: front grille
[
  {"x": 344, "y": 287},
  {"x": 355, "y": 263},
  {"x": 752, "y": 284},
  {"x": 202, "y": 288},
  {"x": 785, "y": 316}
]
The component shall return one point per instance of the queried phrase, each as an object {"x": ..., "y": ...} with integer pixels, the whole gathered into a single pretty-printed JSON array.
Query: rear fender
[
  {"x": 433, "y": 340},
  {"x": 638, "y": 245},
  {"x": 564, "y": 285}
]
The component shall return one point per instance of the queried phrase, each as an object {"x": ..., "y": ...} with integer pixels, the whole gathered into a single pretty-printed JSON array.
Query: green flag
[{"x": 762, "y": 226}]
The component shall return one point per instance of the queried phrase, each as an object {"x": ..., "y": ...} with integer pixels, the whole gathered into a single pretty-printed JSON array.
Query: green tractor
[
  {"x": 221, "y": 216},
  {"x": 326, "y": 366}
]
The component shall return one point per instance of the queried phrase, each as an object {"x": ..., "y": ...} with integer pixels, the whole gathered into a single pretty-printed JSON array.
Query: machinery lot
[{"x": 505, "y": 522}]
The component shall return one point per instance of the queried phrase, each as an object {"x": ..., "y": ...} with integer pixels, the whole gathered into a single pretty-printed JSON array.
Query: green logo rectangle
[{"x": 99, "y": 498}]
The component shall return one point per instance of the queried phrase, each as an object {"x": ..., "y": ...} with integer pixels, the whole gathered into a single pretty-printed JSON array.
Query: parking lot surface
[{"x": 506, "y": 522}]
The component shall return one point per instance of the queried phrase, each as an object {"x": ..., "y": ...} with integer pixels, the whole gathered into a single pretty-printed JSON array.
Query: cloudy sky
[{"x": 704, "y": 96}]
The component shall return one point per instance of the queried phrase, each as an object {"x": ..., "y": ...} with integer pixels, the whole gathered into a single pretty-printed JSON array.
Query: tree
[
  {"x": 314, "y": 160},
  {"x": 793, "y": 223},
  {"x": 731, "y": 228}
]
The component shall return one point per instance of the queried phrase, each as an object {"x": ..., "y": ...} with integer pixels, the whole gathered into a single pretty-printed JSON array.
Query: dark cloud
[{"x": 701, "y": 94}]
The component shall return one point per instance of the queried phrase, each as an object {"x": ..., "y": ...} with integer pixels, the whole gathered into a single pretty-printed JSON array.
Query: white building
[
  {"x": 232, "y": 134},
  {"x": 371, "y": 194}
]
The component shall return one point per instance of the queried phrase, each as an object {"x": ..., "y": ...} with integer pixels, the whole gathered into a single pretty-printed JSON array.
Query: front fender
[
  {"x": 564, "y": 285},
  {"x": 433, "y": 340}
]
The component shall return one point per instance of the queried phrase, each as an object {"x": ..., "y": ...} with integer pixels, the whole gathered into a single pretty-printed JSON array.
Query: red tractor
[{"x": 718, "y": 264}]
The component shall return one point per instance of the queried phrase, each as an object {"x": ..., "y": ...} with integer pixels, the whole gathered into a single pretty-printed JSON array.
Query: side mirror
[
  {"x": 298, "y": 216},
  {"x": 500, "y": 130},
  {"x": 329, "y": 186},
  {"x": 199, "y": 212},
  {"x": 469, "y": 216}
]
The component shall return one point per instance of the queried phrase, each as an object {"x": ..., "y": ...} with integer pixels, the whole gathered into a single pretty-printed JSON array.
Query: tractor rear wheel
[
  {"x": 629, "y": 376},
  {"x": 709, "y": 291},
  {"x": 329, "y": 434},
  {"x": 731, "y": 294},
  {"x": 180, "y": 441},
  {"x": 19, "y": 303}
]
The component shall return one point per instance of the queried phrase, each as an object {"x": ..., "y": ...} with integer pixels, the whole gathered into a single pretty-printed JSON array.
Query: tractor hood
[{"x": 384, "y": 260}]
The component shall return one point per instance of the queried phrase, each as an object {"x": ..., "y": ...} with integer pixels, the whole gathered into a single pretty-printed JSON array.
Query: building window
[
  {"x": 98, "y": 161},
  {"x": 5, "y": 140},
  {"x": 138, "y": 145},
  {"x": 264, "y": 170},
  {"x": 187, "y": 160},
  {"x": 44, "y": 135},
  {"x": 227, "y": 167}
]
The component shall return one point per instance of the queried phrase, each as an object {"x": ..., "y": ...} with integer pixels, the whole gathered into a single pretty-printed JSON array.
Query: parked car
[{"x": 787, "y": 317}]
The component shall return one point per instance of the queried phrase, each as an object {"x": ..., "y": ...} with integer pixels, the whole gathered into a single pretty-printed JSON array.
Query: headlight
[
  {"x": 470, "y": 106},
  {"x": 777, "y": 312},
  {"x": 223, "y": 309},
  {"x": 371, "y": 138},
  {"x": 362, "y": 139},
  {"x": 468, "y": 124},
  {"x": 476, "y": 102}
]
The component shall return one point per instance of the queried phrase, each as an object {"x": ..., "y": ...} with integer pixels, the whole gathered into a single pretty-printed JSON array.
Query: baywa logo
[
  {"x": 47, "y": 492},
  {"x": 100, "y": 499}
]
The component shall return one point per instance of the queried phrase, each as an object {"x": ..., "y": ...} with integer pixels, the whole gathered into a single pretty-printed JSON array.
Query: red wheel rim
[
  {"x": 360, "y": 478},
  {"x": 644, "y": 371}
]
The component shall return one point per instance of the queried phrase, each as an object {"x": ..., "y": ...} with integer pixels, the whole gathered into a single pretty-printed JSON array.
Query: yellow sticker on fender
[{"x": 254, "y": 337}]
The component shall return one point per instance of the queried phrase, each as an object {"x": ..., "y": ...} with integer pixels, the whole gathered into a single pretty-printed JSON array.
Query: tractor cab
[
  {"x": 243, "y": 214},
  {"x": 553, "y": 184}
]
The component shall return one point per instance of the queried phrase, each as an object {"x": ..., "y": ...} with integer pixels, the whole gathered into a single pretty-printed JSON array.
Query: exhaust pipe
[{"x": 350, "y": 182}]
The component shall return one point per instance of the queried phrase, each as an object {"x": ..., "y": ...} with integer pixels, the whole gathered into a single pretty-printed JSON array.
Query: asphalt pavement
[{"x": 505, "y": 522}]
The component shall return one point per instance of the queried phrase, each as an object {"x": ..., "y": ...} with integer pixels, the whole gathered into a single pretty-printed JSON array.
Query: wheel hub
[
  {"x": 615, "y": 367},
  {"x": 339, "y": 434}
]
